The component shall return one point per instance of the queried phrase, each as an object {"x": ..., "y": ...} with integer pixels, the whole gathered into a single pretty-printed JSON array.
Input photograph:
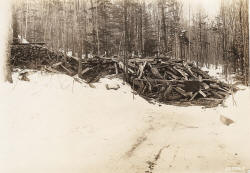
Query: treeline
[
  {"x": 223, "y": 40},
  {"x": 99, "y": 26},
  {"x": 139, "y": 28}
]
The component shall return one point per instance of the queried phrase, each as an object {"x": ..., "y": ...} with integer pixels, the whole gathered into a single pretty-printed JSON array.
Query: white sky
[{"x": 211, "y": 7}]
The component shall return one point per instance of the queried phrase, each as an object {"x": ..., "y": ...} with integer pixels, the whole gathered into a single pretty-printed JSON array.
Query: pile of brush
[
  {"x": 170, "y": 81},
  {"x": 175, "y": 81}
]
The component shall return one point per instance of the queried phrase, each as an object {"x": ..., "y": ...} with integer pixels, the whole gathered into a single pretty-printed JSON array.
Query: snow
[
  {"x": 55, "y": 124},
  {"x": 213, "y": 70},
  {"x": 23, "y": 40},
  {"x": 69, "y": 53}
]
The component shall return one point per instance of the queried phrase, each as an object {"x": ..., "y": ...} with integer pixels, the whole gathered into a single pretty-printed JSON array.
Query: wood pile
[
  {"x": 175, "y": 81},
  {"x": 170, "y": 81},
  {"x": 32, "y": 56},
  {"x": 96, "y": 68}
]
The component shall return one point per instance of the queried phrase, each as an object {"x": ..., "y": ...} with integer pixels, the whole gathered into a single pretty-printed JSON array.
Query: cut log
[
  {"x": 216, "y": 95},
  {"x": 194, "y": 95},
  {"x": 57, "y": 64},
  {"x": 51, "y": 70},
  {"x": 149, "y": 84},
  {"x": 85, "y": 70},
  {"x": 116, "y": 69},
  {"x": 67, "y": 70},
  {"x": 121, "y": 66},
  {"x": 172, "y": 75},
  {"x": 92, "y": 85},
  {"x": 202, "y": 93},
  {"x": 183, "y": 92},
  {"x": 204, "y": 85},
  {"x": 156, "y": 73},
  {"x": 141, "y": 69},
  {"x": 216, "y": 86},
  {"x": 137, "y": 60},
  {"x": 168, "y": 91},
  {"x": 188, "y": 70},
  {"x": 113, "y": 88},
  {"x": 182, "y": 73}
]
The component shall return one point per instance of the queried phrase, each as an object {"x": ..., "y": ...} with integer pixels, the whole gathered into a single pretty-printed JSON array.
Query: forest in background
[{"x": 133, "y": 28}]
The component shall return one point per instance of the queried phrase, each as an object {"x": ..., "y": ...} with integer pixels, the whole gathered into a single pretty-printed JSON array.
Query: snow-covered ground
[
  {"x": 22, "y": 40},
  {"x": 213, "y": 70},
  {"x": 218, "y": 73},
  {"x": 54, "y": 124}
]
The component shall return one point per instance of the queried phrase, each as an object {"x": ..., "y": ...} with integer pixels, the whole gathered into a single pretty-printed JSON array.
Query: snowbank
[
  {"x": 213, "y": 70},
  {"x": 55, "y": 124},
  {"x": 22, "y": 40}
]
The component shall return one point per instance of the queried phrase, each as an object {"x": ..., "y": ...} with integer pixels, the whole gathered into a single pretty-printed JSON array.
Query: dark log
[
  {"x": 183, "y": 92},
  {"x": 168, "y": 91}
]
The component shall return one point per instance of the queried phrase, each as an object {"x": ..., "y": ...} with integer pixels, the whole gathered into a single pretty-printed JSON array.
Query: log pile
[
  {"x": 33, "y": 56},
  {"x": 174, "y": 81},
  {"x": 96, "y": 68},
  {"x": 170, "y": 81}
]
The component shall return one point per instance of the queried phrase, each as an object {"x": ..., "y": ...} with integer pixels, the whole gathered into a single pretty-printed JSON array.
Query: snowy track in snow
[{"x": 54, "y": 124}]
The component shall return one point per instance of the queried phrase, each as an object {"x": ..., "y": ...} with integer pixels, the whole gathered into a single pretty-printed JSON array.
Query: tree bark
[{"x": 5, "y": 42}]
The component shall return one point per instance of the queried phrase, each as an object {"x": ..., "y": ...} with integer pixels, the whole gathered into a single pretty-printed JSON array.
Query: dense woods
[{"x": 134, "y": 28}]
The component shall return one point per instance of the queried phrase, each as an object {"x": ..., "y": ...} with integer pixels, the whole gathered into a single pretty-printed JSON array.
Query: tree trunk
[
  {"x": 164, "y": 27},
  {"x": 126, "y": 38},
  {"x": 97, "y": 29},
  {"x": 5, "y": 42}
]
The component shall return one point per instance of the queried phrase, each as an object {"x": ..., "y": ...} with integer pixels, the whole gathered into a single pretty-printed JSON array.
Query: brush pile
[
  {"x": 32, "y": 56},
  {"x": 170, "y": 81},
  {"x": 174, "y": 81}
]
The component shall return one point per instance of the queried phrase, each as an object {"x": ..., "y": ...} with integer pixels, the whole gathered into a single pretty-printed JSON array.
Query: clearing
[{"x": 54, "y": 124}]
